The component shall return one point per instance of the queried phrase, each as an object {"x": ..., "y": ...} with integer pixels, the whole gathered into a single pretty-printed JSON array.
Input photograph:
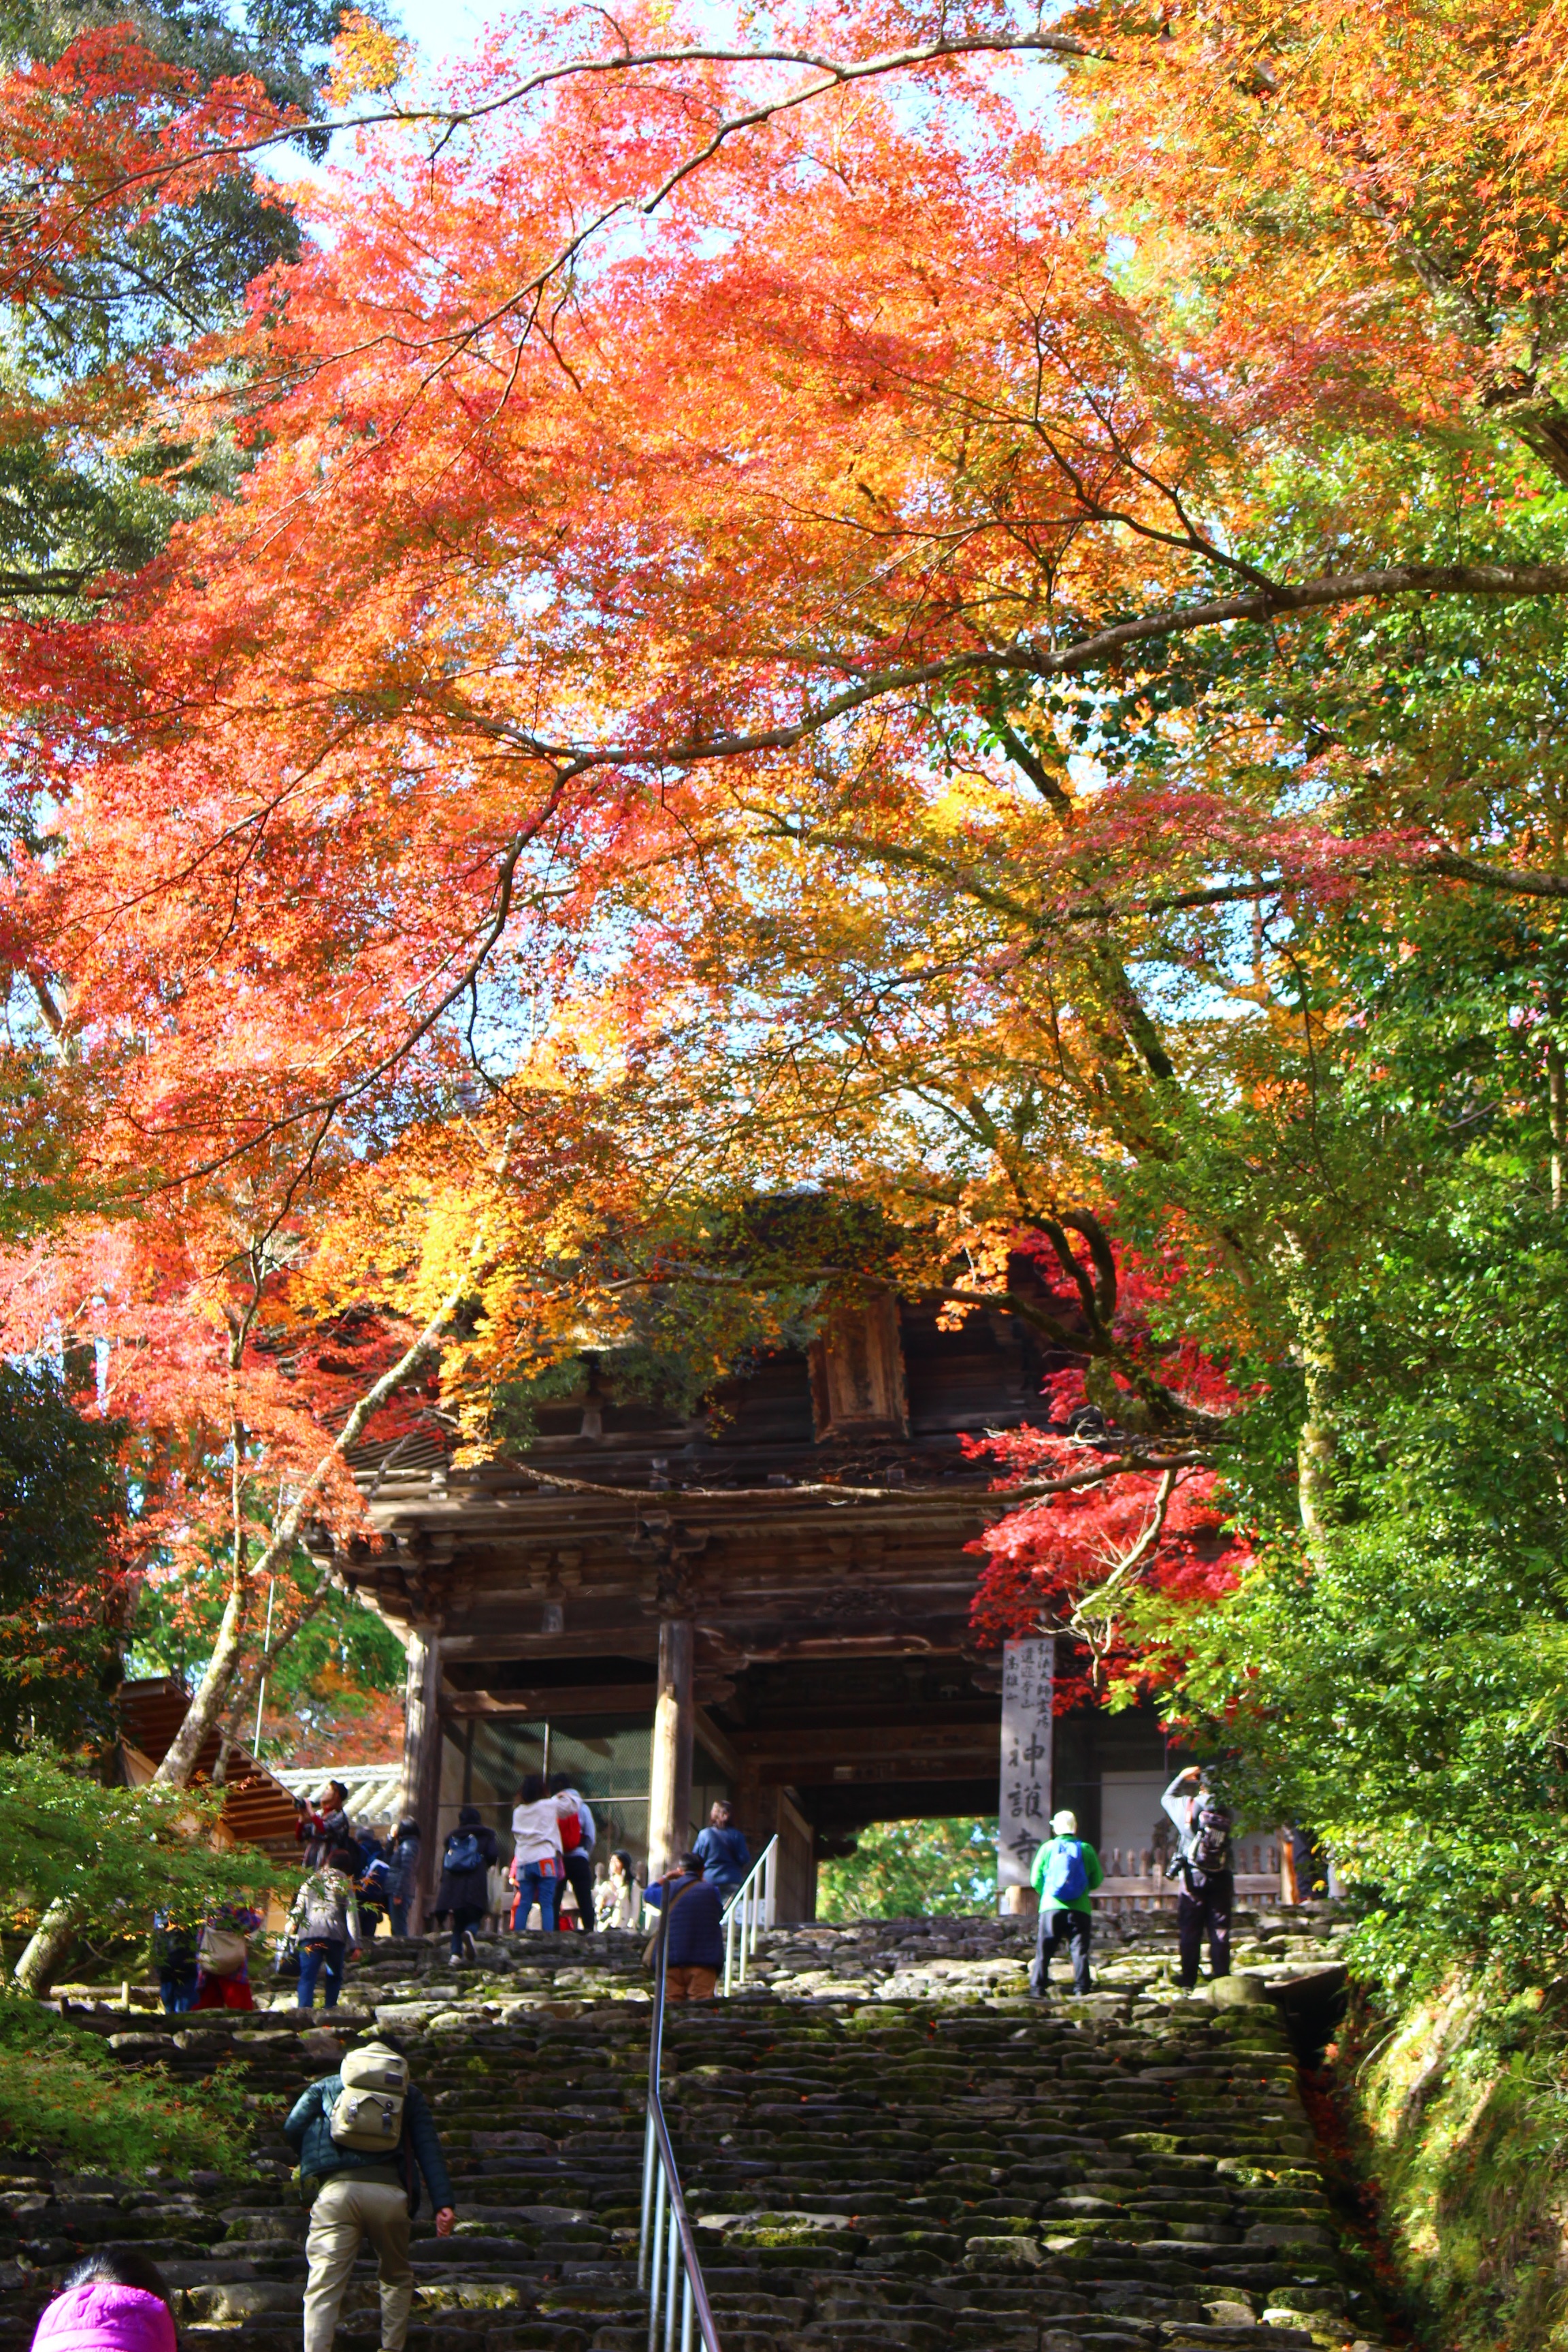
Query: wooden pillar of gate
[
  {"x": 422, "y": 1762},
  {"x": 674, "y": 1722}
]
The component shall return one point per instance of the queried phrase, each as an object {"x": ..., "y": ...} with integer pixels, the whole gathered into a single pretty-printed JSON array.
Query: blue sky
[{"x": 442, "y": 28}]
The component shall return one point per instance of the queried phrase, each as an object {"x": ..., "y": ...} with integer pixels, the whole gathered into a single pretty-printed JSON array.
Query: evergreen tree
[
  {"x": 90, "y": 476},
  {"x": 63, "y": 1583}
]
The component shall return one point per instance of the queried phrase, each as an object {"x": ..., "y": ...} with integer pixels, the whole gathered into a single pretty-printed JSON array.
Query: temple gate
[{"x": 767, "y": 1601}]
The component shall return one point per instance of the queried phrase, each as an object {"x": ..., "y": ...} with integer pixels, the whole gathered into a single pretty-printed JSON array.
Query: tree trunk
[
  {"x": 211, "y": 1697},
  {"x": 211, "y": 1693},
  {"x": 239, "y": 1726},
  {"x": 1312, "y": 1348},
  {"x": 1314, "y": 1477},
  {"x": 1315, "y": 1445},
  {"x": 52, "y": 1939}
]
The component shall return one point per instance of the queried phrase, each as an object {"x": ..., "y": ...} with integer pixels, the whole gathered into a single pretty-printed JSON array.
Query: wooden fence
[{"x": 1136, "y": 1880}]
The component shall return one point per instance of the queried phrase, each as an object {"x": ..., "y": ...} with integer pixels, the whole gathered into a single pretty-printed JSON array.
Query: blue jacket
[
  {"x": 309, "y": 2129},
  {"x": 696, "y": 1932},
  {"x": 725, "y": 1857}
]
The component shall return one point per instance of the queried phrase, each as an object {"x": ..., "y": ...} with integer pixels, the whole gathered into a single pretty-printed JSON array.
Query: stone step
[{"x": 885, "y": 2143}]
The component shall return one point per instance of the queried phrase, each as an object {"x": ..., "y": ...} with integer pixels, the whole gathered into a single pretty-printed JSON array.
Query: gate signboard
[{"x": 1028, "y": 1689}]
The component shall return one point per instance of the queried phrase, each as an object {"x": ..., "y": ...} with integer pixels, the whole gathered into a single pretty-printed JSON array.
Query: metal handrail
[
  {"x": 751, "y": 1906},
  {"x": 657, "y": 2265}
]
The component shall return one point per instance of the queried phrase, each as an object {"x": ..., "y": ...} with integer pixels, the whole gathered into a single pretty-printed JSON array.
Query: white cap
[{"x": 1064, "y": 1824}]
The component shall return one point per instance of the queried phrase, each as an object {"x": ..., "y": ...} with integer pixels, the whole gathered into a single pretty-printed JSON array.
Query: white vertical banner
[{"x": 1029, "y": 1694}]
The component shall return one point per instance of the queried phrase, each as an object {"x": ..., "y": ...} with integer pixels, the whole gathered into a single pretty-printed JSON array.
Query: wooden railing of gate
[{"x": 1136, "y": 1880}]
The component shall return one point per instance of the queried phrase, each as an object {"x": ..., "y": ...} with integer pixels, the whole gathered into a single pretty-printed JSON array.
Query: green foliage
[
  {"x": 340, "y": 1656},
  {"x": 72, "y": 508},
  {"x": 912, "y": 1870},
  {"x": 1402, "y": 1685},
  {"x": 63, "y": 2094},
  {"x": 342, "y": 1659},
  {"x": 1462, "y": 2116},
  {"x": 277, "y": 40},
  {"x": 1359, "y": 1182},
  {"x": 112, "y": 1856},
  {"x": 62, "y": 1511}
]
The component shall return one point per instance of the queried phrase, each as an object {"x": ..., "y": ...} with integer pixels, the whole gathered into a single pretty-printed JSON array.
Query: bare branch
[
  {"x": 1095, "y": 1473},
  {"x": 834, "y": 73},
  {"x": 1093, "y": 1614}
]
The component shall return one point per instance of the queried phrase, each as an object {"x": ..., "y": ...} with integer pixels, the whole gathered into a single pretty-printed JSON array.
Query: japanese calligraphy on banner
[{"x": 1028, "y": 1691}]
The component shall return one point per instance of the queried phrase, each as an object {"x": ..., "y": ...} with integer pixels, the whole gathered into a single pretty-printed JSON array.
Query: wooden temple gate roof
[{"x": 257, "y": 1808}]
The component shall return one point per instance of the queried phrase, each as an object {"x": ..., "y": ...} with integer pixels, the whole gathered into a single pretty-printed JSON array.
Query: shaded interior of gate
[{"x": 809, "y": 1732}]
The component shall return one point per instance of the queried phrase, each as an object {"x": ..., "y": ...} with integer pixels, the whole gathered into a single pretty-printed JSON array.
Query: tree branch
[
  {"x": 834, "y": 74},
  {"x": 1095, "y": 1473},
  {"x": 207, "y": 1706}
]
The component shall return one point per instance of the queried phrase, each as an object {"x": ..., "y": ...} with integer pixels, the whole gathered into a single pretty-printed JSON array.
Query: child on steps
[{"x": 109, "y": 2302}]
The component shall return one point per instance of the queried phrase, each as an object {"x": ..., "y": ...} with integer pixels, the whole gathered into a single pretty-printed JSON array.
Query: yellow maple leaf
[{"x": 365, "y": 57}]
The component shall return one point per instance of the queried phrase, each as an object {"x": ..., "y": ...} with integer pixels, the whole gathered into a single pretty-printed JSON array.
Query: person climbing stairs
[{"x": 883, "y": 2141}]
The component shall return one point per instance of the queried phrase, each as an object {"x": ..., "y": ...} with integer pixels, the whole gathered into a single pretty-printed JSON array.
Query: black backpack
[
  {"x": 463, "y": 1852},
  {"x": 1210, "y": 1856}
]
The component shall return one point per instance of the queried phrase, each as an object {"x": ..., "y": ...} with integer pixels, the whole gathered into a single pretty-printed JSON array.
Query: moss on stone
[{"x": 1463, "y": 2117}]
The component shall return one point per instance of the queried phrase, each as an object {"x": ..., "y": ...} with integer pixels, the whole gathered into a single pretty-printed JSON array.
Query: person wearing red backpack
[
  {"x": 577, "y": 1834},
  {"x": 536, "y": 1861}
]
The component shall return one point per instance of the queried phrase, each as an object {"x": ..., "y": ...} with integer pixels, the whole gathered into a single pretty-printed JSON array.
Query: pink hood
[{"x": 106, "y": 2320}]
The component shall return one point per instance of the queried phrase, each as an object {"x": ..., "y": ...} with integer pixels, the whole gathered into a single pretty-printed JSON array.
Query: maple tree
[
  {"x": 885, "y": 594},
  {"x": 933, "y": 496},
  {"x": 130, "y": 230},
  {"x": 241, "y": 1401},
  {"x": 1113, "y": 1518}
]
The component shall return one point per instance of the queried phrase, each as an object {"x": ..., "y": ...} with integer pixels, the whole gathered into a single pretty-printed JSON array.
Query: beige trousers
[{"x": 346, "y": 2211}]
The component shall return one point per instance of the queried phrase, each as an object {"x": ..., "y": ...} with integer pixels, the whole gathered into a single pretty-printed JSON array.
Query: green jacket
[{"x": 1091, "y": 1871}]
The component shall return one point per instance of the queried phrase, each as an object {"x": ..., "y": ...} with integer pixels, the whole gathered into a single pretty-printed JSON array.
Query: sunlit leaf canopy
[
  {"x": 934, "y": 615},
  {"x": 616, "y": 590}
]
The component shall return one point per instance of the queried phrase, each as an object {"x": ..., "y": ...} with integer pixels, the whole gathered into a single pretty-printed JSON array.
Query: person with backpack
[
  {"x": 373, "y": 1885},
  {"x": 1066, "y": 1871},
  {"x": 364, "y": 2136},
  {"x": 324, "y": 1922},
  {"x": 578, "y": 1832},
  {"x": 325, "y": 1829},
  {"x": 721, "y": 1848},
  {"x": 1204, "y": 1864},
  {"x": 464, "y": 1893},
  {"x": 223, "y": 1958},
  {"x": 109, "y": 2302},
  {"x": 403, "y": 1875},
  {"x": 174, "y": 1957},
  {"x": 692, "y": 1924},
  {"x": 538, "y": 1864}
]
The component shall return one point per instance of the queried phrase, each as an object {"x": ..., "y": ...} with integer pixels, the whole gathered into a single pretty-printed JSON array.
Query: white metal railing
[
  {"x": 751, "y": 1907},
  {"x": 667, "y": 2263}
]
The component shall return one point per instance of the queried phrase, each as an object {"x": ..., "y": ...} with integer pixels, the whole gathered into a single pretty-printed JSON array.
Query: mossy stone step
[{"x": 943, "y": 2162}]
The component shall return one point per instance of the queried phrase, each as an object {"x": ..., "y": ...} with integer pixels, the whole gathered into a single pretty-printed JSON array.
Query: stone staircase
[{"x": 885, "y": 2142}]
